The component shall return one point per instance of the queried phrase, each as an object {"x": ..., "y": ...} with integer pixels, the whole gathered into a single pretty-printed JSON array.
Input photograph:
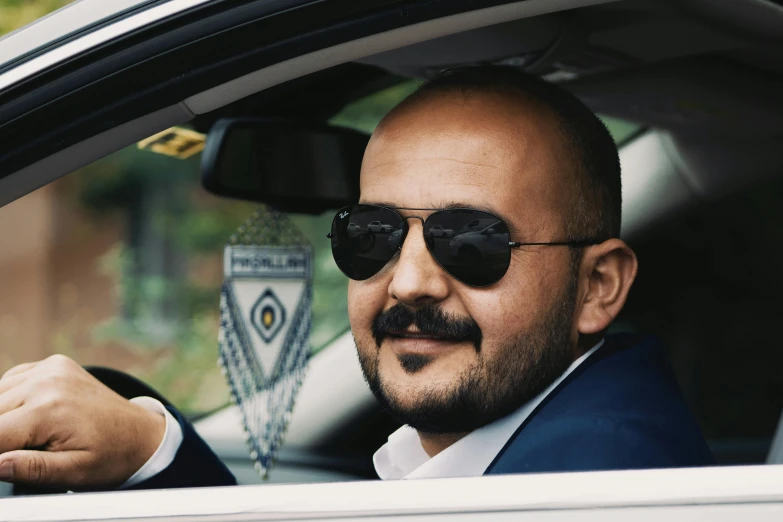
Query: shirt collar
[{"x": 402, "y": 457}]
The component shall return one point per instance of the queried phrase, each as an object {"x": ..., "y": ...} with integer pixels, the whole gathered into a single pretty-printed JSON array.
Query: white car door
[{"x": 727, "y": 494}]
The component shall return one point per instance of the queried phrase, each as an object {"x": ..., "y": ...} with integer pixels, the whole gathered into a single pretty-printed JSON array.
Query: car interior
[
  {"x": 701, "y": 181},
  {"x": 697, "y": 86}
]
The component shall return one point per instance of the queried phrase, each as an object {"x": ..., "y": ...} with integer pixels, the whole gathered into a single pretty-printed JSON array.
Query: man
[{"x": 479, "y": 314}]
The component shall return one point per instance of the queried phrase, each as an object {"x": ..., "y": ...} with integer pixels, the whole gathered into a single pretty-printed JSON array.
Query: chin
[
  {"x": 409, "y": 384},
  {"x": 410, "y": 394},
  {"x": 405, "y": 369}
]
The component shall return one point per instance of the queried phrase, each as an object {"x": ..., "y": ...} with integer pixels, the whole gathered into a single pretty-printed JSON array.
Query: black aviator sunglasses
[{"x": 472, "y": 245}]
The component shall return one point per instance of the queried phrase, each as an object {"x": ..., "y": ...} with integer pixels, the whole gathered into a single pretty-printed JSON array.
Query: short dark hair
[{"x": 597, "y": 202}]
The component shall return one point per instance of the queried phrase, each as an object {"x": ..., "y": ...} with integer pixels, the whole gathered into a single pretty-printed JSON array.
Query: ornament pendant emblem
[{"x": 265, "y": 321}]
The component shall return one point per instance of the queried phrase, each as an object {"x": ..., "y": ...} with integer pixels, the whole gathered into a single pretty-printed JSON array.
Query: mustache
[{"x": 430, "y": 320}]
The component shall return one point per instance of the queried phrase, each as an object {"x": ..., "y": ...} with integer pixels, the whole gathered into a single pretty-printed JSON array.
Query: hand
[{"x": 61, "y": 427}]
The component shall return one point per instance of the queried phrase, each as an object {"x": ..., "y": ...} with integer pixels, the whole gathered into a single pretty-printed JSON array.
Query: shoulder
[
  {"x": 629, "y": 378},
  {"x": 589, "y": 443},
  {"x": 621, "y": 409},
  {"x": 586, "y": 443}
]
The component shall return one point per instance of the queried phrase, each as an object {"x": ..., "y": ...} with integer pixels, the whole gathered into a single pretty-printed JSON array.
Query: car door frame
[{"x": 722, "y": 494}]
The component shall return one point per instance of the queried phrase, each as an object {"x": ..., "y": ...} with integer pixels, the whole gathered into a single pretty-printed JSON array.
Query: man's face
[{"x": 490, "y": 152}]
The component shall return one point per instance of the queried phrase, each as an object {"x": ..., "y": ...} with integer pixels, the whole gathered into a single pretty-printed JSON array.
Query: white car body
[
  {"x": 377, "y": 226},
  {"x": 439, "y": 231},
  {"x": 718, "y": 495},
  {"x": 480, "y": 239}
]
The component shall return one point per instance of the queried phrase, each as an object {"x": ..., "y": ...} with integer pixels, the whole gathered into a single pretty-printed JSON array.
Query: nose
[{"x": 417, "y": 278}]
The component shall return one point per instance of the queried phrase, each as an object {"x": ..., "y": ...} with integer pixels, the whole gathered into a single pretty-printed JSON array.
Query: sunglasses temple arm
[{"x": 575, "y": 244}]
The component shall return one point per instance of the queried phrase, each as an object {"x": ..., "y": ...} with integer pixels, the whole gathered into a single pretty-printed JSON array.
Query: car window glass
[
  {"x": 365, "y": 114},
  {"x": 621, "y": 130},
  {"x": 120, "y": 264}
]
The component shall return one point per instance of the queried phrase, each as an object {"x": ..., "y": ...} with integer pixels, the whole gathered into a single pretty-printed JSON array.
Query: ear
[{"x": 607, "y": 272}]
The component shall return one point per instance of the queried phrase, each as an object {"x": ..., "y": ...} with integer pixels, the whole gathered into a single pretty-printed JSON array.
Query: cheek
[
  {"x": 499, "y": 315},
  {"x": 366, "y": 299},
  {"x": 516, "y": 304}
]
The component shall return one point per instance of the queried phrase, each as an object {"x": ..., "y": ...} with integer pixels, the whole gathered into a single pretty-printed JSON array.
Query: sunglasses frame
[{"x": 512, "y": 244}]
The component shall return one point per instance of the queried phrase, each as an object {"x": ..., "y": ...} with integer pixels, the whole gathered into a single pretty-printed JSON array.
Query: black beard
[
  {"x": 488, "y": 390},
  {"x": 413, "y": 362}
]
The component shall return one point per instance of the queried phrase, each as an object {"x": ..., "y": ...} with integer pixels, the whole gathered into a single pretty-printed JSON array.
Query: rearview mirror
[{"x": 292, "y": 166}]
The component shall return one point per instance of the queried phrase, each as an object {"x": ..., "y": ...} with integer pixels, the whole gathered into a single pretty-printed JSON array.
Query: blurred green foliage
[
  {"x": 620, "y": 130},
  {"x": 365, "y": 114}
]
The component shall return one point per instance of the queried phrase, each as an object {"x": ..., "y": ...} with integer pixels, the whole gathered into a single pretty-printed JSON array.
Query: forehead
[{"x": 486, "y": 151}]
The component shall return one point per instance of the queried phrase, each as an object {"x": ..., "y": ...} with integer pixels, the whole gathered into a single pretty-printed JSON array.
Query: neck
[{"x": 434, "y": 443}]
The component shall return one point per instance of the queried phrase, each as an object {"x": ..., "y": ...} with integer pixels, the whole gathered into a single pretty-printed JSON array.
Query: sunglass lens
[
  {"x": 365, "y": 238},
  {"x": 471, "y": 245}
]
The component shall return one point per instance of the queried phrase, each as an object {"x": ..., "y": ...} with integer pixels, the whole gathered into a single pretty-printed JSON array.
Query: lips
[
  {"x": 416, "y": 334},
  {"x": 415, "y": 342}
]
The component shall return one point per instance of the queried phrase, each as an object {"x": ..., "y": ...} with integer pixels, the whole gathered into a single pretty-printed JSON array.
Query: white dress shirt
[
  {"x": 167, "y": 450},
  {"x": 402, "y": 457}
]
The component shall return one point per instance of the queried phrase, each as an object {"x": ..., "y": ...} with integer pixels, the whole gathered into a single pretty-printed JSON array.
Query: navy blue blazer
[{"x": 620, "y": 409}]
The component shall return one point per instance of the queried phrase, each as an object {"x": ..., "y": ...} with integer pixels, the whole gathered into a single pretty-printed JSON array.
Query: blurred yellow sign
[{"x": 176, "y": 142}]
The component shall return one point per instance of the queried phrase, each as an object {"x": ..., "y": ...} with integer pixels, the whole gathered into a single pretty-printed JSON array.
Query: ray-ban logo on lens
[{"x": 343, "y": 215}]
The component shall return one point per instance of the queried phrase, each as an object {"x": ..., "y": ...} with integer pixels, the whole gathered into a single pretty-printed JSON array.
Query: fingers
[
  {"x": 15, "y": 376},
  {"x": 92, "y": 435},
  {"x": 43, "y": 468},
  {"x": 18, "y": 430},
  {"x": 56, "y": 364},
  {"x": 21, "y": 368},
  {"x": 12, "y": 399},
  {"x": 10, "y": 383},
  {"x": 53, "y": 361}
]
